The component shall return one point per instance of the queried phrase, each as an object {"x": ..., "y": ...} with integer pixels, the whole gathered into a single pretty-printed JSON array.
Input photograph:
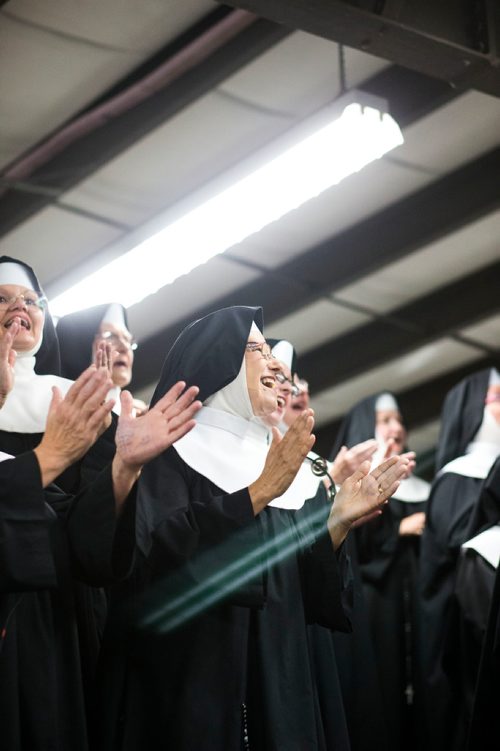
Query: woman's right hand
[
  {"x": 348, "y": 461},
  {"x": 284, "y": 459},
  {"x": 74, "y": 422}
]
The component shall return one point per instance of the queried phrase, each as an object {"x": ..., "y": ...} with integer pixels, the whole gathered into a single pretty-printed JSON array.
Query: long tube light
[{"x": 342, "y": 143}]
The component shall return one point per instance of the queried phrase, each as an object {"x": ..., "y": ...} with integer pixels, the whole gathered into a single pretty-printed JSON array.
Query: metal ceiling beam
[
  {"x": 428, "y": 319},
  {"x": 81, "y": 157},
  {"x": 444, "y": 206},
  {"x": 457, "y": 42},
  {"x": 419, "y": 405}
]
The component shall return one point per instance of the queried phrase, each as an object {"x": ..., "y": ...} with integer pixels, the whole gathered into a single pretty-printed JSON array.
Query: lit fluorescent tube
[{"x": 337, "y": 148}]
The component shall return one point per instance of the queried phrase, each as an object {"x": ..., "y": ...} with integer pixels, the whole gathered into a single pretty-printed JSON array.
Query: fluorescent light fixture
[{"x": 338, "y": 142}]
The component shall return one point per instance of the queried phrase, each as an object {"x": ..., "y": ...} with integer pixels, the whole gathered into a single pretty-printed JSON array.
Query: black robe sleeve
[
  {"x": 29, "y": 516},
  {"x": 95, "y": 533},
  {"x": 205, "y": 541},
  {"x": 25, "y": 547},
  {"x": 326, "y": 574}
]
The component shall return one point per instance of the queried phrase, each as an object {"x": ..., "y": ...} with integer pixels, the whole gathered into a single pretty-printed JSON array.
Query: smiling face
[
  {"x": 261, "y": 379},
  {"x": 123, "y": 355},
  {"x": 389, "y": 425},
  {"x": 21, "y": 302}
]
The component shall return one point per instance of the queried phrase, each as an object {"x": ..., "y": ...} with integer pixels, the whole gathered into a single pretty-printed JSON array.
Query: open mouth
[
  {"x": 22, "y": 321},
  {"x": 268, "y": 382},
  {"x": 281, "y": 401},
  {"x": 120, "y": 364}
]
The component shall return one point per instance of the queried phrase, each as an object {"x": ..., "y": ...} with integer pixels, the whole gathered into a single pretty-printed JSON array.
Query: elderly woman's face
[
  {"x": 389, "y": 425},
  {"x": 123, "y": 355},
  {"x": 27, "y": 306},
  {"x": 260, "y": 369}
]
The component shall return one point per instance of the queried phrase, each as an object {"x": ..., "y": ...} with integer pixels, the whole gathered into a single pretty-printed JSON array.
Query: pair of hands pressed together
[{"x": 361, "y": 496}]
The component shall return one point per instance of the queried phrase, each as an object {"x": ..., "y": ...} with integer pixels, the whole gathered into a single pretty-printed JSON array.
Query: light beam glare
[{"x": 178, "y": 609}]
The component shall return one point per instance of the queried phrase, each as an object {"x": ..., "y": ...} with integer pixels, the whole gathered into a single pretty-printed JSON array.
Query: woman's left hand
[{"x": 363, "y": 495}]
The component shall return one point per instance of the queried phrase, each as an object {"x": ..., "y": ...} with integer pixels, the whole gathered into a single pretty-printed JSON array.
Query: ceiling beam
[
  {"x": 442, "y": 207},
  {"x": 457, "y": 42},
  {"x": 414, "y": 325}
]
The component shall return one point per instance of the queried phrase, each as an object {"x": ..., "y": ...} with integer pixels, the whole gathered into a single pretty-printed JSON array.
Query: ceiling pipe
[{"x": 191, "y": 56}]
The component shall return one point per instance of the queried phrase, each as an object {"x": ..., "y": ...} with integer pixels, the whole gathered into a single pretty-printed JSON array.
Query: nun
[
  {"x": 50, "y": 542},
  {"x": 319, "y": 490},
  {"x": 220, "y": 657},
  {"x": 36, "y": 366},
  {"x": 486, "y": 634},
  {"x": 460, "y": 548},
  {"x": 79, "y": 334},
  {"x": 387, "y": 551}
]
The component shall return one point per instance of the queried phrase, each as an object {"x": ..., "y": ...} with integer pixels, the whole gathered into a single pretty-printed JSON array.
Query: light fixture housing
[{"x": 334, "y": 143}]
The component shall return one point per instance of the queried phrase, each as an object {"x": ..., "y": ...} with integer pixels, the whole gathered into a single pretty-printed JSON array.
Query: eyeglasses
[
  {"x": 281, "y": 378},
  {"x": 30, "y": 300},
  {"x": 116, "y": 340},
  {"x": 302, "y": 387},
  {"x": 262, "y": 347}
]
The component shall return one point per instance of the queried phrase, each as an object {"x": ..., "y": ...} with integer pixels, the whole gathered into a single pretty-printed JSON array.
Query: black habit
[
  {"x": 387, "y": 563},
  {"x": 454, "y": 585},
  {"x": 221, "y": 658}
]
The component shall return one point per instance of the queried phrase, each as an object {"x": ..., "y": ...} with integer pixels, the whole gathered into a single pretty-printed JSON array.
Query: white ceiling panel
[
  {"x": 196, "y": 289},
  {"x": 53, "y": 241},
  {"x": 115, "y": 23},
  {"x": 314, "y": 324},
  {"x": 180, "y": 156},
  {"x": 399, "y": 374},
  {"x": 300, "y": 74},
  {"x": 454, "y": 134},
  {"x": 190, "y": 144},
  {"x": 486, "y": 332},
  {"x": 451, "y": 258},
  {"x": 338, "y": 208},
  {"x": 57, "y": 57}
]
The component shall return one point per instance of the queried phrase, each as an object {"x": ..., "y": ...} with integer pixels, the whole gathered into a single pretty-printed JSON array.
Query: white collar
[
  {"x": 25, "y": 409},
  {"x": 487, "y": 544},
  {"x": 231, "y": 452},
  {"x": 412, "y": 490},
  {"x": 476, "y": 462}
]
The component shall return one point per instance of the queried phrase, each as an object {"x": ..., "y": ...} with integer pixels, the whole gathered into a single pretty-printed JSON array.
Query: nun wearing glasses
[
  {"x": 79, "y": 335},
  {"x": 237, "y": 570},
  {"x": 52, "y": 542},
  {"x": 387, "y": 555}
]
